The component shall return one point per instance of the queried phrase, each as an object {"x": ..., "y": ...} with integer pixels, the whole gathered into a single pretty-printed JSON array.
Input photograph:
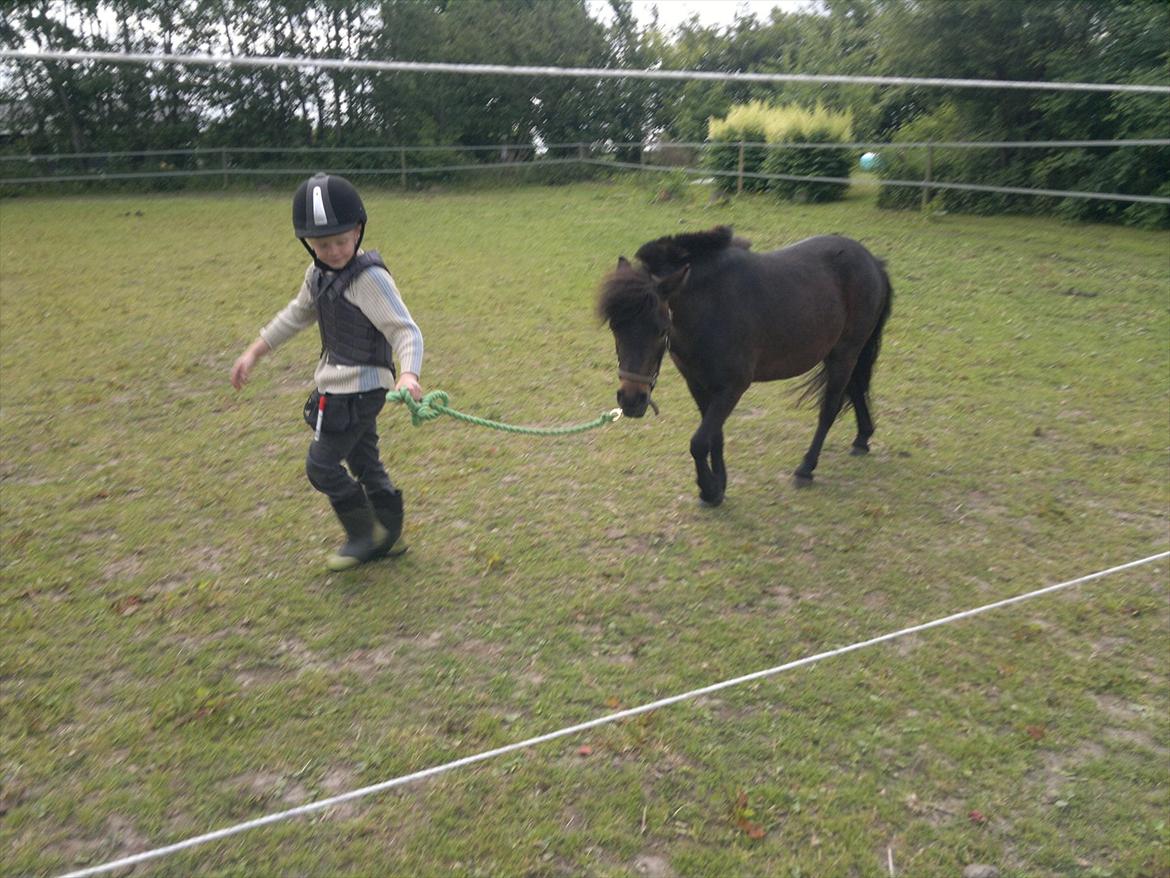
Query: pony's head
[{"x": 635, "y": 304}]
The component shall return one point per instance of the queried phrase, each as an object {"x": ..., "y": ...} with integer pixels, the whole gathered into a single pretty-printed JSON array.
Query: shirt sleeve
[
  {"x": 376, "y": 294},
  {"x": 298, "y": 314}
]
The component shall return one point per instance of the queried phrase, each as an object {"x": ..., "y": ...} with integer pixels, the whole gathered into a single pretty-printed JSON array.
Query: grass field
[{"x": 175, "y": 660}]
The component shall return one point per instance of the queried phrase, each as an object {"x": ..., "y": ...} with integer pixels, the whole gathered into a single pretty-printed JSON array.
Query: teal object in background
[{"x": 870, "y": 161}]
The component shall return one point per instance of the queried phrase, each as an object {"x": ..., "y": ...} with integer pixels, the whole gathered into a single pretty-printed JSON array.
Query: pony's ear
[
  {"x": 672, "y": 283},
  {"x": 623, "y": 262}
]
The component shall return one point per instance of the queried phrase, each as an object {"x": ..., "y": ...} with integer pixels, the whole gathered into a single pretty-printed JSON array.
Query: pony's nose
[{"x": 633, "y": 401}]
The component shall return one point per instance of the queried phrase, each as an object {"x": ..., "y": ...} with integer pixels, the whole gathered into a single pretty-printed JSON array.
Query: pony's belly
[{"x": 776, "y": 369}]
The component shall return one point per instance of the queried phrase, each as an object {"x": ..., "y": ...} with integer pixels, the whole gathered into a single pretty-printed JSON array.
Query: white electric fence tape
[{"x": 586, "y": 72}]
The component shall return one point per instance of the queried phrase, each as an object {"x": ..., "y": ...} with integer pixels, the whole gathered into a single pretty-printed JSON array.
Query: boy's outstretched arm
[{"x": 247, "y": 360}]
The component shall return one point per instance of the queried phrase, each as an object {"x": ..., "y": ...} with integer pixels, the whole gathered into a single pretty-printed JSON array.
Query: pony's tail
[{"x": 814, "y": 386}]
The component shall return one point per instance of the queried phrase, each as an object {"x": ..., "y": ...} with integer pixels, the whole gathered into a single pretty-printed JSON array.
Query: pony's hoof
[
  {"x": 859, "y": 450},
  {"x": 712, "y": 501},
  {"x": 801, "y": 480}
]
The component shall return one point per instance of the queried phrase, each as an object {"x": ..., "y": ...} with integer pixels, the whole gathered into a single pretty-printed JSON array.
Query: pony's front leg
[{"x": 707, "y": 445}]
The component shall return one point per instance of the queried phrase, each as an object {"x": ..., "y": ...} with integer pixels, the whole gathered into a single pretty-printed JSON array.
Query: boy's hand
[
  {"x": 242, "y": 369},
  {"x": 409, "y": 381},
  {"x": 246, "y": 361}
]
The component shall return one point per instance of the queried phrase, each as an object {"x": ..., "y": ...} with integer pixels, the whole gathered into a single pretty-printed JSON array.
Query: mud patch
[
  {"x": 1058, "y": 768},
  {"x": 779, "y": 597},
  {"x": 120, "y": 838},
  {"x": 653, "y": 866},
  {"x": 907, "y": 645},
  {"x": 1137, "y": 739},
  {"x": 259, "y": 675},
  {"x": 337, "y": 780},
  {"x": 121, "y": 569},
  {"x": 264, "y": 786},
  {"x": 1118, "y": 709}
]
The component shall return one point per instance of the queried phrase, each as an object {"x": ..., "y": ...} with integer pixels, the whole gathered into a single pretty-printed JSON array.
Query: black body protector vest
[{"x": 348, "y": 338}]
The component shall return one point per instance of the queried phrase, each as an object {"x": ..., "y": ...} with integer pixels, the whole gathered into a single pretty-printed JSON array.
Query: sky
[{"x": 719, "y": 13}]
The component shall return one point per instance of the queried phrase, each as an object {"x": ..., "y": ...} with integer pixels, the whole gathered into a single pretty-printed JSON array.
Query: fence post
[
  {"x": 223, "y": 164},
  {"x": 402, "y": 163},
  {"x": 929, "y": 172},
  {"x": 739, "y": 177}
]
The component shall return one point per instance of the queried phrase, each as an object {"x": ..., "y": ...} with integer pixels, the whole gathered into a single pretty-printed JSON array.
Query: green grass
[{"x": 174, "y": 659}]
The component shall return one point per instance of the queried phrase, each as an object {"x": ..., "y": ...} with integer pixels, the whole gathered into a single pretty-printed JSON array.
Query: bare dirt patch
[
  {"x": 337, "y": 780},
  {"x": 653, "y": 866},
  {"x": 123, "y": 568},
  {"x": 1057, "y": 768}
]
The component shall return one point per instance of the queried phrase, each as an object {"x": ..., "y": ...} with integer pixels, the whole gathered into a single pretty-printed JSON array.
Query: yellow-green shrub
[
  {"x": 744, "y": 123},
  {"x": 791, "y": 123}
]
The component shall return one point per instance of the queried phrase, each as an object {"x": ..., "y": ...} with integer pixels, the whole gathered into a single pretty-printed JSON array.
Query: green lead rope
[{"x": 434, "y": 404}]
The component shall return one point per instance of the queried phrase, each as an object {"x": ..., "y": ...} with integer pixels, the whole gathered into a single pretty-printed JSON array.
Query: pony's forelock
[{"x": 626, "y": 293}]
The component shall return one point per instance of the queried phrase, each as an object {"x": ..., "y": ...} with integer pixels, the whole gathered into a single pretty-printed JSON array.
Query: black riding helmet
[{"x": 324, "y": 205}]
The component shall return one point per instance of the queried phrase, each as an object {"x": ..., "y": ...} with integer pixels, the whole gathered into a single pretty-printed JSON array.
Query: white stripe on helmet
[{"x": 320, "y": 218}]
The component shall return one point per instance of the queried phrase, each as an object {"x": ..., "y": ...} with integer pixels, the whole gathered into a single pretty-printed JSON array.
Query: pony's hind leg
[
  {"x": 864, "y": 422},
  {"x": 859, "y": 380},
  {"x": 836, "y": 379}
]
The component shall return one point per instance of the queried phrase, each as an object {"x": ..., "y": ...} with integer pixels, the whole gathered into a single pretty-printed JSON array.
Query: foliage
[
  {"x": 777, "y": 125},
  {"x": 91, "y": 107},
  {"x": 742, "y": 132},
  {"x": 909, "y": 163},
  {"x": 795, "y": 124},
  {"x": 668, "y": 185},
  {"x": 1070, "y": 40}
]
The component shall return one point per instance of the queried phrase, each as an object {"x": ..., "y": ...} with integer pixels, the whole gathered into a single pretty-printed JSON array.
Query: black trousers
[{"x": 356, "y": 445}]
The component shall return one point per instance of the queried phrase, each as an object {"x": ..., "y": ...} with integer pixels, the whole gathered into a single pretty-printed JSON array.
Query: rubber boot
[
  {"x": 365, "y": 536},
  {"x": 388, "y": 510}
]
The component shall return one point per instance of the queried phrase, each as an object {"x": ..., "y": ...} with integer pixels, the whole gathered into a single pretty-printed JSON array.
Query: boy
[{"x": 364, "y": 323}]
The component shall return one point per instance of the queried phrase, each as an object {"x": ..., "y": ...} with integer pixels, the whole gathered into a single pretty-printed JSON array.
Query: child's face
[{"x": 336, "y": 250}]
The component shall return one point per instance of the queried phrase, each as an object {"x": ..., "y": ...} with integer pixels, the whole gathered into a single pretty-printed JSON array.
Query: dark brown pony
[{"x": 730, "y": 317}]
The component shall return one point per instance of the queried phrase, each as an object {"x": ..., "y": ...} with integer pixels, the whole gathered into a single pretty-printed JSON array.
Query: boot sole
[{"x": 341, "y": 563}]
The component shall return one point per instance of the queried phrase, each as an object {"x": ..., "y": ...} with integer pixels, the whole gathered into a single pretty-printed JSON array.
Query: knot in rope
[{"x": 429, "y": 408}]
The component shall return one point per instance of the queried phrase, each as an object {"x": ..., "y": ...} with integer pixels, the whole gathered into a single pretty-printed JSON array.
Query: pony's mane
[
  {"x": 672, "y": 252},
  {"x": 626, "y": 293}
]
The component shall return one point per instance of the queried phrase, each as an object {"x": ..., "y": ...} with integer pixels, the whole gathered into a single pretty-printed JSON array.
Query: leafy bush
[
  {"x": 744, "y": 123},
  {"x": 756, "y": 122},
  {"x": 910, "y": 163},
  {"x": 1129, "y": 170},
  {"x": 419, "y": 161},
  {"x": 1137, "y": 171},
  {"x": 669, "y": 185},
  {"x": 954, "y": 165},
  {"x": 794, "y": 124}
]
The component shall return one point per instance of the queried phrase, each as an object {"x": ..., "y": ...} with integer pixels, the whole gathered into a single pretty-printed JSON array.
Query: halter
[{"x": 649, "y": 380}]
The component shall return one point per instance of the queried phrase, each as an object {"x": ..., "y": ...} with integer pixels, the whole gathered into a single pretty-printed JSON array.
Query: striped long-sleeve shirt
[{"x": 375, "y": 293}]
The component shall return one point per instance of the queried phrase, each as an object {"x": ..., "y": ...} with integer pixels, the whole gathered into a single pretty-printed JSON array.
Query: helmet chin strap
[{"x": 321, "y": 265}]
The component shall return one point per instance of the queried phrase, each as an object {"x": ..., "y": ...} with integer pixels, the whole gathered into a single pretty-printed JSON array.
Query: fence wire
[{"x": 583, "y": 150}]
